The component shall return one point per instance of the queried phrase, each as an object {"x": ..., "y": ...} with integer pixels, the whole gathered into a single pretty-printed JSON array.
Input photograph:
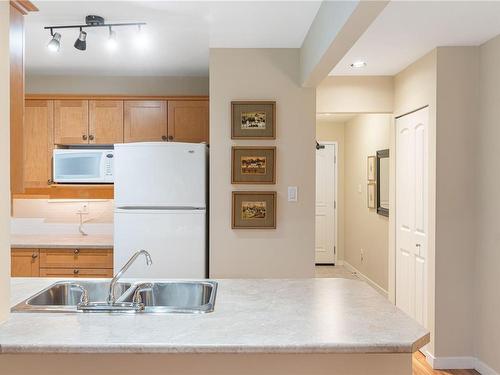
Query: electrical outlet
[
  {"x": 84, "y": 208},
  {"x": 362, "y": 255}
]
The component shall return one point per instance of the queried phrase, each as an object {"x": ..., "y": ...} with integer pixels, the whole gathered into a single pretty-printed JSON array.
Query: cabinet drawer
[
  {"x": 76, "y": 272},
  {"x": 76, "y": 258}
]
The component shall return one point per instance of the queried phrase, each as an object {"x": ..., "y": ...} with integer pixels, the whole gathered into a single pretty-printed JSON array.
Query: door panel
[
  {"x": 25, "y": 263},
  {"x": 105, "y": 122},
  {"x": 412, "y": 214},
  {"x": 188, "y": 121},
  {"x": 145, "y": 120},
  {"x": 37, "y": 142},
  {"x": 71, "y": 122},
  {"x": 325, "y": 205}
]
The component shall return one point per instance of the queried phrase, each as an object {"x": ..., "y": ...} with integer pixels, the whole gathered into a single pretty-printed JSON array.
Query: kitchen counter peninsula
[{"x": 309, "y": 326}]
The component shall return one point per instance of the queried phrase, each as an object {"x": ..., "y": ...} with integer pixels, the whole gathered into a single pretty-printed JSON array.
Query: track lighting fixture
[
  {"x": 81, "y": 42},
  {"x": 55, "y": 42}
]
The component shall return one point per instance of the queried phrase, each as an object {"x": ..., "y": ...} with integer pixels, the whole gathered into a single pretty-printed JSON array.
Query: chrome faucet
[{"x": 111, "y": 296}]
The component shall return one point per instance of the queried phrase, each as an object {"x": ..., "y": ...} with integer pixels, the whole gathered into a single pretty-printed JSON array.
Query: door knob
[
  {"x": 34, "y": 255},
  {"x": 170, "y": 137},
  {"x": 163, "y": 137},
  {"x": 76, "y": 272},
  {"x": 91, "y": 137},
  {"x": 77, "y": 251},
  {"x": 84, "y": 137}
]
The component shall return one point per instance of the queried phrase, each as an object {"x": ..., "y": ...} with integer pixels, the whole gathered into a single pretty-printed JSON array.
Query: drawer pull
[
  {"x": 76, "y": 272},
  {"x": 77, "y": 251},
  {"x": 34, "y": 255}
]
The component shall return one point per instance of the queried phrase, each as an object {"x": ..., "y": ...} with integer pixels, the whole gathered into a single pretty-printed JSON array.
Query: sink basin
[
  {"x": 157, "y": 297},
  {"x": 175, "y": 296},
  {"x": 64, "y": 296}
]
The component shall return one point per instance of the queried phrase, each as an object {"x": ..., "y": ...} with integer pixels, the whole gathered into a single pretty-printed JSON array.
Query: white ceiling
[
  {"x": 407, "y": 30},
  {"x": 179, "y": 33}
]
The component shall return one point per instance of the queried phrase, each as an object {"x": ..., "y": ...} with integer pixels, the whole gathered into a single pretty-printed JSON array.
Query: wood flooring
[{"x": 421, "y": 367}]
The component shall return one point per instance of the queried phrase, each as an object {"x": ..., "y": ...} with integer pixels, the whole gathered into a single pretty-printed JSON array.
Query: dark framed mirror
[{"x": 383, "y": 182}]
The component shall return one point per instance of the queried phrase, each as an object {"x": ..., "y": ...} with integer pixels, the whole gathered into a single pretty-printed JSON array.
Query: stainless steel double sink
[{"x": 155, "y": 297}]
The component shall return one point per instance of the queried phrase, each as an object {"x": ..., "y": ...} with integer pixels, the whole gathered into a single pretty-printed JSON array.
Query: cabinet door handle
[
  {"x": 34, "y": 255},
  {"x": 77, "y": 251},
  {"x": 84, "y": 137},
  {"x": 170, "y": 137},
  {"x": 163, "y": 137},
  {"x": 76, "y": 272},
  {"x": 91, "y": 137}
]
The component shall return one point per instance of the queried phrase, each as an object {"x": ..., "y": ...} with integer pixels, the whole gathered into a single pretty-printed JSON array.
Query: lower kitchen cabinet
[
  {"x": 70, "y": 262},
  {"x": 75, "y": 272},
  {"x": 25, "y": 263},
  {"x": 76, "y": 258}
]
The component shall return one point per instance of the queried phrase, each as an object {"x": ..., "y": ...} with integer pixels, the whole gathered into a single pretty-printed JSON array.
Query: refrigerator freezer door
[
  {"x": 160, "y": 174},
  {"x": 176, "y": 240}
]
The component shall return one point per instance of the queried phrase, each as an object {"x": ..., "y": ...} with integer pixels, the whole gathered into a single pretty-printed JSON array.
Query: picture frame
[
  {"x": 371, "y": 195},
  {"x": 253, "y": 165},
  {"x": 371, "y": 168},
  {"x": 253, "y": 210},
  {"x": 253, "y": 120}
]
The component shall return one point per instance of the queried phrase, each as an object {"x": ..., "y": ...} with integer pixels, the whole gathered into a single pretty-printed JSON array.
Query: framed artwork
[
  {"x": 253, "y": 165},
  {"x": 371, "y": 168},
  {"x": 253, "y": 120},
  {"x": 371, "y": 195},
  {"x": 253, "y": 210}
]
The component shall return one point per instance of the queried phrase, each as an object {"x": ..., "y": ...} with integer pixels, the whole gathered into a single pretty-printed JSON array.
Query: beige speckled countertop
[
  {"x": 93, "y": 241},
  {"x": 250, "y": 316}
]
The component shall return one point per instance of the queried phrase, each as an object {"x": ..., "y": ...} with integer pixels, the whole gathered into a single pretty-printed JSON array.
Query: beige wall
[
  {"x": 4, "y": 162},
  {"x": 364, "y": 228},
  {"x": 415, "y": 87},
  {"x": 487, "y": 275},
  {"x": 288, "y": 251},
  {"x": 355, "y": 94},
  {"x": 456, "y": 133},
  {"x": 334, "y": 132},
  {"x": 128, "y": 85}
]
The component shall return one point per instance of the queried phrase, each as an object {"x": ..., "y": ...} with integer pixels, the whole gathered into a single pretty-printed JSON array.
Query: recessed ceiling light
[{"x": 358, "y": 64}]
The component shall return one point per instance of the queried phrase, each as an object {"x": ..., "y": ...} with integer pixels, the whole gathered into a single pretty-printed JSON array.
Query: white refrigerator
[{"x": 160, "y": 206}]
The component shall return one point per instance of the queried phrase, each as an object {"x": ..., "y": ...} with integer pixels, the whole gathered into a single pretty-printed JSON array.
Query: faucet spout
[{"x": 111, "y": 296}]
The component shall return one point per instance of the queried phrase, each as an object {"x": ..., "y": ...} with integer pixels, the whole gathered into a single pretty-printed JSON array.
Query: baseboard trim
[
  {"x": 362, "y": 276},
  {"x": 484, "y": 369},
  {"x": 459, "y": 363}
]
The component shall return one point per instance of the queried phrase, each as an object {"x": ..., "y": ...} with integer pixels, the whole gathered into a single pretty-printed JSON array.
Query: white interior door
[
  {"x": 325, "y": 204},
  {"x": 412, "y": 213}
]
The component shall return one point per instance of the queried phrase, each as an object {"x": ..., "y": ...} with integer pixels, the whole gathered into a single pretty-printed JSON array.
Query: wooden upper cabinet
[
  {"x": 105, "y": 121},
  {"x": 71, "y": 122},
  {"x": 25, "y": 263},
  {"x": 188, "y": 121},
  {"x": 37, "y": 143},
  {"x": 145, "y": 120}
]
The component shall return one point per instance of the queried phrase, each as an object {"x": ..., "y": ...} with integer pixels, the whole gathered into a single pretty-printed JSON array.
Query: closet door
[
  {"x": 71, "y": 122},
  {"x": 412, "y": 213}
]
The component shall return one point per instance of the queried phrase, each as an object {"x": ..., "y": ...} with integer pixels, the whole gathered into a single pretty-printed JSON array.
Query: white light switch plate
[{"x": 292, "y": 194}]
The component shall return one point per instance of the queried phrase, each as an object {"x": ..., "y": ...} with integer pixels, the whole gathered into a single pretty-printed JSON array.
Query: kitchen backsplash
[{"x": 61, "y": 216}]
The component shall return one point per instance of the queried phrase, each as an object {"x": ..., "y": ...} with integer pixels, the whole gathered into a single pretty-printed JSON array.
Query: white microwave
[{"x": 91, "y": 166}]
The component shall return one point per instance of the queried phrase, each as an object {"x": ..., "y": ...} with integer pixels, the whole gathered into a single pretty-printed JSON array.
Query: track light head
[
  {"x": 55, "y": 42},
  {"x": 81, "y": 42},
  {"x": 112, "y": 44}
]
